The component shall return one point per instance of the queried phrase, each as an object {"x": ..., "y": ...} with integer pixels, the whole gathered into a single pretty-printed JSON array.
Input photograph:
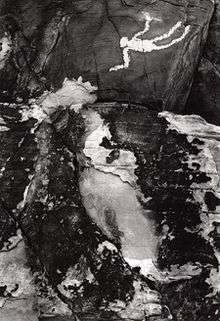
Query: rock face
[
  {"x": 108, "y": 210},
  {"x": 110, "y": 199},
  {"x": 138, "y": 51},
  {"x": 206, "y": 84}
]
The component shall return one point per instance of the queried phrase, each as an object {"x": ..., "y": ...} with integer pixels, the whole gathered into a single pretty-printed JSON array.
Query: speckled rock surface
[
  {"x": 81, "y": 253},
  {"x": 109, "y": 210}
]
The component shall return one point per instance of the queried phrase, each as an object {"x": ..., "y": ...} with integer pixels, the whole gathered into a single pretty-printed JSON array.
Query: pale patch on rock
[
  {"x": 124, "y": 166},
  {"x": 12, "y": 242},
  {"x": 214, "y": 281},
  {"x": 19, "y": 296},
  {"x": 73, "y": 94},
  {"x": 146, "y": 303},
  {"x": 208, "y": 159},
  {"x": 110, "y": 193},
  {"x": 5, "y": 49},
  {"x": 3, "y": 125},
  {"x": 74, "y": 278},
  {"x": 106, "y": 245},
  {"x": 114, "y": 206},
  {"x": 192, "y": 125},
  {"x": 22, "y": 203},
  {"x": 48, "y": 302},
  {"x": 149, "y": 268}
]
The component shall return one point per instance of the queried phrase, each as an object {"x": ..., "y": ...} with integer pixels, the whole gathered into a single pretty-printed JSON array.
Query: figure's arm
[
  {"x": 169, "y": 33},
  {"x": 146, "y": 28},
  {"x": 174, "y": 40}
]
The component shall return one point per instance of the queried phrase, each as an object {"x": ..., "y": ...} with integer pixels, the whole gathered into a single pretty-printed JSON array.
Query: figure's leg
[{"x": 126, "y": 59}]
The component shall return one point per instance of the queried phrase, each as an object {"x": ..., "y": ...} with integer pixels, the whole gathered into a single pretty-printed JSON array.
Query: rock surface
[
  {"x": 138, "y": 51},
  {"x": 109, "y": 210},
  {"x": 89, "y": 254},
  {"x": 206, "y": 83}
]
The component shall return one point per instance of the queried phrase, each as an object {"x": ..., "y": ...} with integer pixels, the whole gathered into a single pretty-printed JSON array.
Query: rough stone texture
[
  {"x": 205, "y": 95},
  {"x": 84, "y": 258},
  {"x": 108, "y": 210},
  {"x": 55, "y": 39}
]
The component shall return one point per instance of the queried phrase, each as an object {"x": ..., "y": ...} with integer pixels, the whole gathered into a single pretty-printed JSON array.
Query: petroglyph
[{"x": 148, "y": 45}]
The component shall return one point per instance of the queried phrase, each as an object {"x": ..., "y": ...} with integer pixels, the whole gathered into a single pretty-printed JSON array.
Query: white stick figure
[{"x": 147, "y": 45}]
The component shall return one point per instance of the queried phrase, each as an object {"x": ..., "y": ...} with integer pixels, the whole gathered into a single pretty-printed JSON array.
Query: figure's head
[{"x": 123, "y": 42}]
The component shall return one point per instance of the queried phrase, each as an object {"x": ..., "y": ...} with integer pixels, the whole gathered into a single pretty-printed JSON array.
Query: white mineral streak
[
  {"x": 12, "y": 242},
  {"x": 73, "y": 94},
  {"x": 192, "y": 125},
  {"x": 50, "y": 305},
  {"x": 106, "y": 245},
  {"x": 209, "y": 160},
  {"x": 111, "y": 196},
  {"x": 21, "y": 299},
  {"x": 5, "y": 49},
  {"x": 148, "y": 268},
  {"x": 22, "y": 203},
  {"x": 148, "y": 45},
  {"x": 96, "y": 130},
  {"x": 146, "y": 303},
  {"x": 74, "y": 278},
  {"x": 15, "y": 275},
  {"x": 3, "y": 125}
]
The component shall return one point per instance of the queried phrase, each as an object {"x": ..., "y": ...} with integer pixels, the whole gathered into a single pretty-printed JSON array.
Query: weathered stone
[
  {"x": 204, "y": 98},
  {"x": 144, "y": 51},
  {"x": 116, "y": 208},
  {"x": 84, "y": 246}
]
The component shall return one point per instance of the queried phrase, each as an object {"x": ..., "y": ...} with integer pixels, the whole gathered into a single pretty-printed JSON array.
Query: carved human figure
[{"x": 147, "y": 45}]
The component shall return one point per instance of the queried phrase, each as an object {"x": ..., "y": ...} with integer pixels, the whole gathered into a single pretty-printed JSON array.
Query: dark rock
[
  {"x": 56, "y": 39},
  {"x": 204, "y": 98},
  {"x": 67, "y": 242}
]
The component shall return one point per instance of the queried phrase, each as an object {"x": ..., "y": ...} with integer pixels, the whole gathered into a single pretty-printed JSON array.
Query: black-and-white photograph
[{"x": 109, "y": 160}]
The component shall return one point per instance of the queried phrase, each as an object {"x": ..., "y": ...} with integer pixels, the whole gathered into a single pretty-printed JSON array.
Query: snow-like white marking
[
  {"x": 15, "y": 274},
  {"x": 148, "y": 45},
  {"x": 12, "y": 242},
  {"x": 110, "y": 193},
  {"x": 145, "y": 304},
  {"x": 73, "y": 94},
  {"x": 208, "y": 158},
  {"x": 3, "y": 125},
  {"x": 96, "y": 130},
  {"x": 148, "y": 267},
  {"x": 113, "y": 205},
  {"x": 5, "y": 49},
  {"x": 74, "y": 278},
  {"x": 22, "y": 203},
  {"x": 109, "y": 246},
  {"x": 192, "y": 125}
]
